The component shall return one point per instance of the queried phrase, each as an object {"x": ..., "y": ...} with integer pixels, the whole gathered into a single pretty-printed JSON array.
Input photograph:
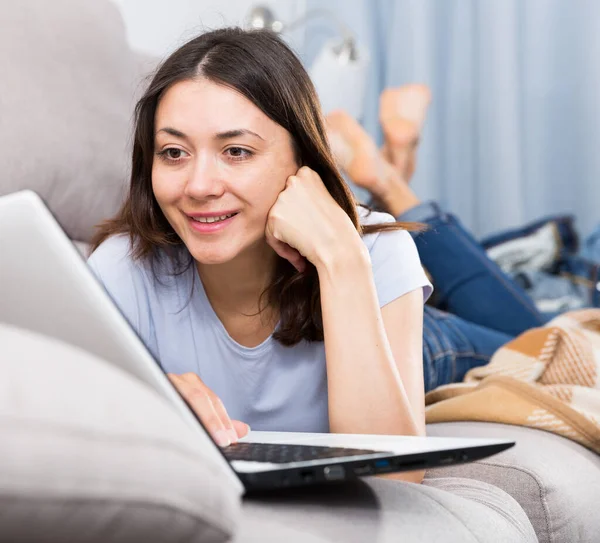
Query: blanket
[{"x": 546, "y": 378}]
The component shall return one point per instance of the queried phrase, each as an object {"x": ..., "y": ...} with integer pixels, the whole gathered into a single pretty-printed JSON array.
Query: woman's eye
[
  {"x": 239, "y": 153},
  {"x": 172, "y": 154}
]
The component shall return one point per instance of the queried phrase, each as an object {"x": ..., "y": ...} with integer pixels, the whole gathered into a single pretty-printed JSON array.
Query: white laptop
[{"x": 46, "y": 287}]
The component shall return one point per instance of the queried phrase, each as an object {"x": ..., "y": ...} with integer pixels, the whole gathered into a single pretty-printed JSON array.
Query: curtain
[{"x": 512, "y": 132}]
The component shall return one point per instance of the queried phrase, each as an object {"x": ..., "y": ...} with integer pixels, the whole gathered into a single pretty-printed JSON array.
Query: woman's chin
[
  {"x": 212, "y": 256},
  {"x": 211, "y": 259},
  {"x": 223, "y": 251}
]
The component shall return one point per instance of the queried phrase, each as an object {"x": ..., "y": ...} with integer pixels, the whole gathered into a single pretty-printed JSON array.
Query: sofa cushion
[
  {"x": 555, "y": 480},
  {"x": 451, "y": 510},
  {"x": 89, "y": 454},
  {"x": 66, "y": 99}
]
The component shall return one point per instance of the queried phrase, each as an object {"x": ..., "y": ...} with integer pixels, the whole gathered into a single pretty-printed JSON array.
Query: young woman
[{"x": 243, "y": 262}]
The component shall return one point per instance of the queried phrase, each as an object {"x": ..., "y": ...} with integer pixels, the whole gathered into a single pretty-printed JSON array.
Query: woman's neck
[{"x": 235, "y": 287}]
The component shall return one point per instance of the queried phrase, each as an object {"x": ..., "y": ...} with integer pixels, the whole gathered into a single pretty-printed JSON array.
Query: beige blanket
[{"x": 546, "y": 378}]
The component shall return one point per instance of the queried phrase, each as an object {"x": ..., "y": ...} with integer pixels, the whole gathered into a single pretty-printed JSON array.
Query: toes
[{"x": 409, "y": 102}]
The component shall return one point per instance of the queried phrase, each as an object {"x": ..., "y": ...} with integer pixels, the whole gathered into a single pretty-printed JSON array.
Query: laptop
[{"x": 46, "y": 287}]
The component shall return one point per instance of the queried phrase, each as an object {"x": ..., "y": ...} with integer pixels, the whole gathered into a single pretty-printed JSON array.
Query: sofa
[{"x": 68, "y": 86}]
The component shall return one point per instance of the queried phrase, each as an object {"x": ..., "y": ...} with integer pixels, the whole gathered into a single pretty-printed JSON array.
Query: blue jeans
[
  {"x": 479, "y": 308},
  {"x": 452, "y": 346}
]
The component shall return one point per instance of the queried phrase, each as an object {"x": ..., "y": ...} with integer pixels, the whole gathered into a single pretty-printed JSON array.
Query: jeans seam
[
  {"x": 428, "y": 362},
  {"x": 434, "y": 339},
  {"x": 458, "y": 332},
  {"x": 437, "y": 347}
]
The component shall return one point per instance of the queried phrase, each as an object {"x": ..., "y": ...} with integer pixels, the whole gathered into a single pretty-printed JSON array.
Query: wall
[{"x": 159, "y": 26}]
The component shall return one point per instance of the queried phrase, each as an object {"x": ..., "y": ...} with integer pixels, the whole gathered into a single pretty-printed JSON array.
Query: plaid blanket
[{"x": 546, "y": 378}]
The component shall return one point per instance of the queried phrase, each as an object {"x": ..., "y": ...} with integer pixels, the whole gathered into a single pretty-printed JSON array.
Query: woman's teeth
[{"x": 212, "y": 219}]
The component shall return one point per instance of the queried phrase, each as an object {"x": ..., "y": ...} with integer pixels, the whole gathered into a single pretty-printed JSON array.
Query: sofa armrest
[{"x": 555, "y": 480}]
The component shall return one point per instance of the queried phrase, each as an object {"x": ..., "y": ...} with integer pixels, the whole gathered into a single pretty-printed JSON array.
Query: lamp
[{"x": 339, "y": 72}]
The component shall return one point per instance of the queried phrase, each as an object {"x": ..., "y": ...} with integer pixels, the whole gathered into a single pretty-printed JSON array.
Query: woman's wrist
[{"x": 343, "y": 256}]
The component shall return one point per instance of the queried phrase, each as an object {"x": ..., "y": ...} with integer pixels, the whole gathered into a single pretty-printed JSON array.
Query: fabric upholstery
[
  {"x": 67, "y": 92},
  {"x": 91, "y": 455},
  {"x": 382, "y": 511},
  {"x": 556, "y": 481}
]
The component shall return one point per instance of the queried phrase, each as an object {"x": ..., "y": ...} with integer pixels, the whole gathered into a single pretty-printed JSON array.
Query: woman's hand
[
  {"x": 307, "y": 223},
  {"x": 209, "y": 408}
]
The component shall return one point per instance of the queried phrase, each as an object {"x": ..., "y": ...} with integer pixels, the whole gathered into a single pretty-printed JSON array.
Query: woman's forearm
[{"x": 366, "y": 392}]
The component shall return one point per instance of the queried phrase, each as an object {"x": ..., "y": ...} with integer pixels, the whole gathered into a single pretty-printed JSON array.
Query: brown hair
[{"x": 260, "y": 66}]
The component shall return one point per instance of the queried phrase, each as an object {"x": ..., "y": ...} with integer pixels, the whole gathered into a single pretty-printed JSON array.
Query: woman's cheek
[
  {"x": 166, "y": 186},
  {"x": 270, "y": 187}
]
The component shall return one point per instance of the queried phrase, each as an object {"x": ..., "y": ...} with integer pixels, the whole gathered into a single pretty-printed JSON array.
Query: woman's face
[{"x": 219, "y": 165}]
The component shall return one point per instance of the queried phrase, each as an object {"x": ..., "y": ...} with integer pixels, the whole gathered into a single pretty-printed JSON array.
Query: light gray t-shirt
[{"x": 270, "y": 387}]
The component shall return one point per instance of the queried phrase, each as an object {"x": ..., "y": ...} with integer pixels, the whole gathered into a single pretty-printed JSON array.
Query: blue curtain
[{"x": 514, "y": 127}]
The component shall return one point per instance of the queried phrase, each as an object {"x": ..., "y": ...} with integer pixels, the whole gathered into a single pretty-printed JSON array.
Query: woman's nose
[{"x": 205, "y": 179}]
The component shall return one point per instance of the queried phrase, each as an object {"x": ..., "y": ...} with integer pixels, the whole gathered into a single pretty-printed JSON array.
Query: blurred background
[{"x": 512, "y": 130}]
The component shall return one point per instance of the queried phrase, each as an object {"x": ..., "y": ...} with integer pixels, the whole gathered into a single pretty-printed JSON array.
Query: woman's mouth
[{"x": 209, "y": 224}]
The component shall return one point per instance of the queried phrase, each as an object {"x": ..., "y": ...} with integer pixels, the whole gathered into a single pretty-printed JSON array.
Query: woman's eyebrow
[
  {"x": 236, "y": 133},
  {"x": 228, "y": 134},
  {"x": 172, "y": 132}
]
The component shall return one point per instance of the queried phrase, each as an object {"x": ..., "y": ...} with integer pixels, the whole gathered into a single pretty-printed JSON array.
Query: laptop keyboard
[{"x": 277, "y": 453}]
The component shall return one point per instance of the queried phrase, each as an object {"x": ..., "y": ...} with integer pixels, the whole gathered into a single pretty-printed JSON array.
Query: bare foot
[
  {"x": 356, "y": 153},
  {"x": 402, "y": 113}
]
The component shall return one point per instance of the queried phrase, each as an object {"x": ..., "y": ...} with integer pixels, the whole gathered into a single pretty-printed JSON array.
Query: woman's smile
[{"x": 210, "y": 223}]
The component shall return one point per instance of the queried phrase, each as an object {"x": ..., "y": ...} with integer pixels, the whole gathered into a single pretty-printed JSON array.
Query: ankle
[{"x": 398, "y": 197}]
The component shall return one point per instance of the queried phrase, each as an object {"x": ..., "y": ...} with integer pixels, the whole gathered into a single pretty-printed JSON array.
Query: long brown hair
[{"x": 262, "y": 68}]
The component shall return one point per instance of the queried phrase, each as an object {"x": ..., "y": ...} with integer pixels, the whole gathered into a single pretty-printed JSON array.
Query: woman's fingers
[
  {"x": 241, "y": 428},
  {"x": 222, "y": 414},
  {"x": 207, "y": 406},
  {"x": 286, "y": 251}
]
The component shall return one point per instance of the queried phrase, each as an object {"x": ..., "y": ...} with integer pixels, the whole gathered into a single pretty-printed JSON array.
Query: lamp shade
[{"x": 339, "y": 79}]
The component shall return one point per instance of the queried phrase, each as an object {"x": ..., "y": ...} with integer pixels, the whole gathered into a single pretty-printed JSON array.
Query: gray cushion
[
  {"x": 382, "y": 511},
  {"x": 66, "y": 101},
  {"x": 91, "y": 455},
  {"x": 556, "y": 481}
]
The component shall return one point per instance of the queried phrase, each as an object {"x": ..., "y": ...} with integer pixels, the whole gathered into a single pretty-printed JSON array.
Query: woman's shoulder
[
  {"x": 397, "y": 238},
  {"x": 115, "y": 251},
  {"x": 394, "y": 258},
  {"x": 368, "y": 216},
  {"x": 113, "y": 261},
  {"x": 115, "y": 244}
]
